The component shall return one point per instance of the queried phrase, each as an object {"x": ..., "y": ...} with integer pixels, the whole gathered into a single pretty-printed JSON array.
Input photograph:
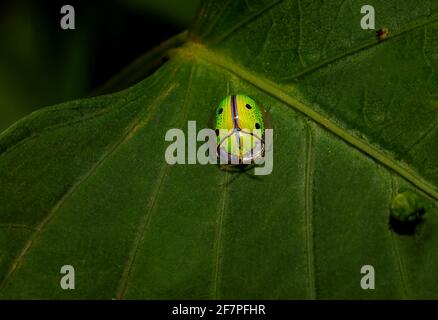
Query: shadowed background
[{"x": 41, "y": 64}]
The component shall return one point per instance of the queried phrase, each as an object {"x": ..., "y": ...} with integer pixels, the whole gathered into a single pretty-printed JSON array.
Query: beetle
[{"x": 240, "y": 129}]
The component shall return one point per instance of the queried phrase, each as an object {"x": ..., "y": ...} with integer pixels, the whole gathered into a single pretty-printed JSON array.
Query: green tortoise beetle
[{"x": 240, "y": 124}]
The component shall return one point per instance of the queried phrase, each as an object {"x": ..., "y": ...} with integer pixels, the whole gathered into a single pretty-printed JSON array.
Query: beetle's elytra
[{"x": 240, "y": 127}]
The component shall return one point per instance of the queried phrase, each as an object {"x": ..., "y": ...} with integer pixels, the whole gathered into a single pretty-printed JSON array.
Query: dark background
[{"x": 42, "y": 64}]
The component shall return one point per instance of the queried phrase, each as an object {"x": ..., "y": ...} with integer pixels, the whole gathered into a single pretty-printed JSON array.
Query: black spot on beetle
[
  {"x": 257, "y": 125},
  {"x": 220, "y": 111},
  {"x": 248, "y": 106}
]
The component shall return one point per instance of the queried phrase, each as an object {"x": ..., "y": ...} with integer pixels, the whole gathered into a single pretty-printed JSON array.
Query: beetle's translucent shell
[{"x": 240, "y": 128}]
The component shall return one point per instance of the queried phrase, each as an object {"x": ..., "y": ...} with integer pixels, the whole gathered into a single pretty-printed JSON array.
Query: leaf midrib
[{"x": 201, "y": 53}]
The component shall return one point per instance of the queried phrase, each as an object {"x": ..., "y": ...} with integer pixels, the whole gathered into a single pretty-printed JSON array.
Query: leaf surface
[{"x": 85, "y": 183}]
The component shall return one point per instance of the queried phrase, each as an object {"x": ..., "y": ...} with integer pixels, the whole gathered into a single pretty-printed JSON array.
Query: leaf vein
[
  {"x": 368, "y": 44},
  {"x": 218, "y": 239},
  {"x": 397, "y": 255},
  {"x": 277, "y": 92},
  {"x": 145, "y": 222},
  {"x": 308, "y": 217},
  {"x": 39, "y": 229},
  {"x": 244, "y": 22},
  {"x": 16, "y": 226}
]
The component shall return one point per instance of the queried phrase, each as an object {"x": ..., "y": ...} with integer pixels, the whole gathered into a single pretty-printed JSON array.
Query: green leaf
[{"x": 85, "y": 183}]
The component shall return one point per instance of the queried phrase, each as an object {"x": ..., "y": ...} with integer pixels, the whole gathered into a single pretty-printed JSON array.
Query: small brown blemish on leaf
[
  {"x": 382, "y": 34},
  {"x": 407, "y": 211}
]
